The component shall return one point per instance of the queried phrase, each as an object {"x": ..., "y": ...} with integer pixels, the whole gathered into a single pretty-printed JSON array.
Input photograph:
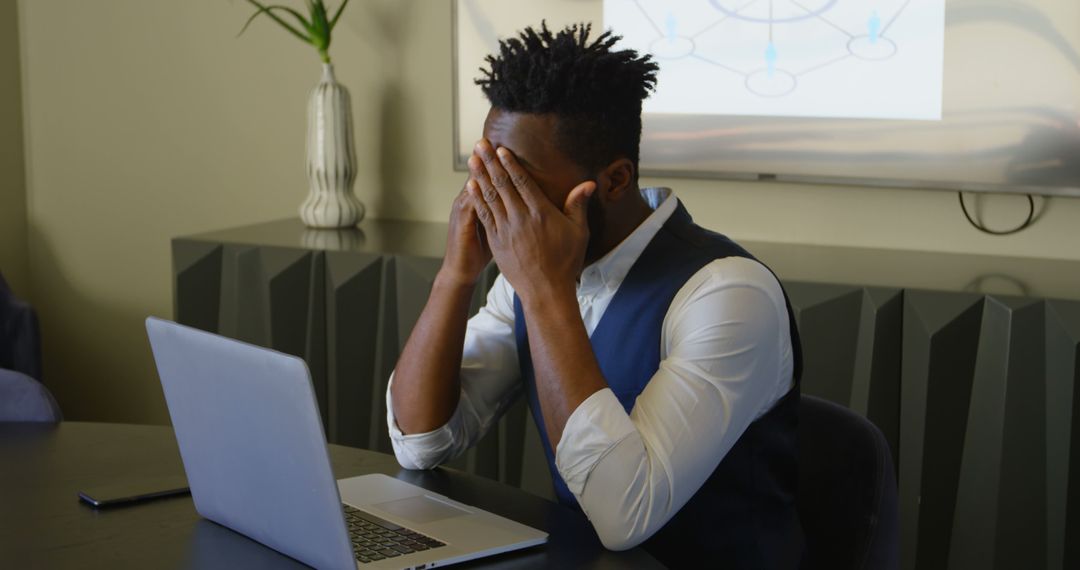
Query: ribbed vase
[{"x": 331, "y": 158}]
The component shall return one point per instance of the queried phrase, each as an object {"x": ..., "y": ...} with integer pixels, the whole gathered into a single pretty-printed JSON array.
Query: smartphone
[{"x": 134, "y": 491}]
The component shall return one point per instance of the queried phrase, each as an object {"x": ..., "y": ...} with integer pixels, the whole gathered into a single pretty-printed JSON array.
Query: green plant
[{"x": 314, "y": 30}]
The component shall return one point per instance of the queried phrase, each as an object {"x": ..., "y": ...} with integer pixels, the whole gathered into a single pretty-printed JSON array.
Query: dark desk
[{"x": 43, "y": 524}]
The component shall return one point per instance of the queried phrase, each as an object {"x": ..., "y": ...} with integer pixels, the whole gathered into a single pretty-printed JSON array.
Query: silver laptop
[{"x": 253, "y": 447}]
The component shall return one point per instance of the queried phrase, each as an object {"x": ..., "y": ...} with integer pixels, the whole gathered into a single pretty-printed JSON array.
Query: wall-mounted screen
[{"x": 977, "y": 95}]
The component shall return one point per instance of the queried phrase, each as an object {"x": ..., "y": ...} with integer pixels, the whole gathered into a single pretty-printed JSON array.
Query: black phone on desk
[{"x": 135, "y": 490}]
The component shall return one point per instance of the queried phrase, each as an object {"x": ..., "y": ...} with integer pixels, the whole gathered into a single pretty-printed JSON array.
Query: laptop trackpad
[{"x": 421, "y": 509}]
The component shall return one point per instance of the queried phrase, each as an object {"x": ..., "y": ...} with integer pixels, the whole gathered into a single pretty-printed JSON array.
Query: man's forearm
[
  {"x": 563, "y": 361},
  {"x": 427, "y": 384}
]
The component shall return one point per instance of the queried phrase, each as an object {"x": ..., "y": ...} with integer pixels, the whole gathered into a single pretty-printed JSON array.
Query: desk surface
[{"x": 43, "y": 524}]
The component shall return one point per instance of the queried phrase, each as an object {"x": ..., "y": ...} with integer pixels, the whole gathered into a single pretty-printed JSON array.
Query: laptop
[{"x": 253, "y": 447}]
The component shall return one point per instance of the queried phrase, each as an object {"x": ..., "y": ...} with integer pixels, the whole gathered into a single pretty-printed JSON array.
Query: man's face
[{"x": 532, "y": 139}]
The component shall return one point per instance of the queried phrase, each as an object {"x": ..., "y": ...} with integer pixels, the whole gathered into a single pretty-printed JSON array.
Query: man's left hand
[{"x": 539, "y": 248}]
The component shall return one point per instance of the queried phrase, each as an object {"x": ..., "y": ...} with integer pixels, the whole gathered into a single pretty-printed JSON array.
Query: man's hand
[
  {"x": 467, "y": 252},
  {"x": 426, "y": 385},
  {"x": 539, "y": 248}
]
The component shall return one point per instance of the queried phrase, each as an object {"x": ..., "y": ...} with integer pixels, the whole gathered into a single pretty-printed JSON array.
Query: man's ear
[{"x": 616, "y": 180}]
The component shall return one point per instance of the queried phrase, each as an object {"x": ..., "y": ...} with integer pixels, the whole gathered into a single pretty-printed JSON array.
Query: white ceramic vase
[{"x": 331, "y": 157}]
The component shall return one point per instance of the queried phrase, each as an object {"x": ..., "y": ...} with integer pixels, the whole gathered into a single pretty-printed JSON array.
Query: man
[{"x": 660, "y": 360}]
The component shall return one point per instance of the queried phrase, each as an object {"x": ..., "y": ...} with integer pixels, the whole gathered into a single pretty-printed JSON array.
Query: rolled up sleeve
[
  {"x": 490, "y": 382},
  {"x": 726, "y": 360}
]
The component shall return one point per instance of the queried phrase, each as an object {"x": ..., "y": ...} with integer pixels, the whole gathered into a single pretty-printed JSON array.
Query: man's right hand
[
  {"x": 467, "y": 252},
  {"x": 426, "y": 386}
]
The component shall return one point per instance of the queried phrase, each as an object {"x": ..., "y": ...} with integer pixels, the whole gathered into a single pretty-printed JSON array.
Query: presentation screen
[{"x": 977, "y": 95}]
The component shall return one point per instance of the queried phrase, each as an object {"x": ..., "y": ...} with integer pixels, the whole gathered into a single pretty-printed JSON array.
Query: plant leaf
[
  {"x": 269, "y": 11},
  {"x": 320, "y": 27},
  {"x": 337, "y": 14},
  {"x": 318, "y": 17}
]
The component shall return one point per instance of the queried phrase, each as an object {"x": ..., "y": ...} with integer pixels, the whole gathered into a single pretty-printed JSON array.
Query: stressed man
[{"x": 660, "y": 360}]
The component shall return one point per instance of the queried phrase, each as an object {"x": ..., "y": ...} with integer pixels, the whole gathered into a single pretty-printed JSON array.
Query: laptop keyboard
[{"x": 375, "y": 539}]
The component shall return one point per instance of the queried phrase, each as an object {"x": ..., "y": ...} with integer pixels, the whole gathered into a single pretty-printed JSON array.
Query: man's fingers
[
  {"x": 472, "y": 221},
  {"x": 487, "y": 191},
  {"x": 498, "y": 176},
  {"x": 462, "y": 201},
  {"x": 577, "y": 203},
  {"x": 482, "y": 209},
  {"x": 481, "y": 235},
  {"x": 530, "y": 193}
]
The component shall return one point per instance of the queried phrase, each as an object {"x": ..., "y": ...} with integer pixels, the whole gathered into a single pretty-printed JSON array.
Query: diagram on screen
[{"x": 805, "y": 58}]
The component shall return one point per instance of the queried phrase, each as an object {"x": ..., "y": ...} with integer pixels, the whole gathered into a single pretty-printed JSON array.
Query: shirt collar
[{"x": 610, "y": 270}]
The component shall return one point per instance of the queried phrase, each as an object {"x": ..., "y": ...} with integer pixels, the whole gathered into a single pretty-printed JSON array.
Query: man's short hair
[{"x": 595, "y": 92}]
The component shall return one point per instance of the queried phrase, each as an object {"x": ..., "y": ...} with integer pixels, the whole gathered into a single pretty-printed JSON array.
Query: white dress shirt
[{"x": 725, "y": 360}]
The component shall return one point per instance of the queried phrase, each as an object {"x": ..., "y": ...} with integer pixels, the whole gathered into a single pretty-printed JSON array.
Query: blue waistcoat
[{"x": 744, "y": 515}]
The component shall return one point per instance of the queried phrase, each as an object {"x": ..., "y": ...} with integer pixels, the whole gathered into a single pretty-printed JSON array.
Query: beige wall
[
  {"x": 12, "y": 187},
  {"x": 148, "y": 119}
]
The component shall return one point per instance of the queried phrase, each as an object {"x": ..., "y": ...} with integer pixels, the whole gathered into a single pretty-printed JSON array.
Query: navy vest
[{"x": 744, "y": 515}]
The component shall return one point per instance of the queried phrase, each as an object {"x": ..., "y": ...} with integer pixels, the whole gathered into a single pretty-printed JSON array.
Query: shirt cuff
[
  {"x": 419, "y": 450},
  {"x": 592, "y": 430}
]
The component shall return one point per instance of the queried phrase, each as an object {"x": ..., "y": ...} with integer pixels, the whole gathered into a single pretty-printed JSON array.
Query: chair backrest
[
  {"x": 20, "y": 337},
  {"x": 23, "y": 399},
  {"x": 847, "y": 494}
]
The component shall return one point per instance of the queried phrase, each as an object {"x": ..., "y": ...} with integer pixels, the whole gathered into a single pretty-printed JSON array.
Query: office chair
[
  {"x": 847, "y": 496},
  {"x": 23, "y": 399},
  {"x": 22, "y": 395}
]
